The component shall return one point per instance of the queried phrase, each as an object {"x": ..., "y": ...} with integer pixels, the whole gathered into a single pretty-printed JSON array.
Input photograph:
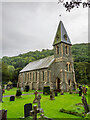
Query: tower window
[
  {"x": 66, "y": 49},
  {"x": 57, "y": 49},
  {"x": 67, "y": 67}
]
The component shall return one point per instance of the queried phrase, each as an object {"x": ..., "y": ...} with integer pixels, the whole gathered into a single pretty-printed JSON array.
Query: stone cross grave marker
[
  {"x": 35, "y": 100},
  {"x": 84, "y": 101},
  {"x": 52, "y": 95},
  {"x": 27, "y": 109},
  {"x": 38, "y": 101},
  {"x": 34, "y": 112}
]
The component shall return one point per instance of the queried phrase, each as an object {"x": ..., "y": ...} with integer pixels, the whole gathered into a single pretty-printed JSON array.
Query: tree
[{"x": 74, "y": 3}]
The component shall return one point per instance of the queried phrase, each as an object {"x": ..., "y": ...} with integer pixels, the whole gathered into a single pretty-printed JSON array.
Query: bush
[
  {"x": 18, "y": 93},
  {"x": 27, "y": 88},
  {"x": 14, "y": 84},
  {"x": 46, "y": 90}
]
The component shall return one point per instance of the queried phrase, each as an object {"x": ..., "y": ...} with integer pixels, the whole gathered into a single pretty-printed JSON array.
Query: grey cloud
[{"x": 31, "y": 26}]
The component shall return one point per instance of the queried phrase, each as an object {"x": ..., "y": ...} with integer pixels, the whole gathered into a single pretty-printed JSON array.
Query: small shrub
[
  {"x": 18, "y": 93},
  {"x": 46, "y": 90},
  {"x": 27, "y": 88}
]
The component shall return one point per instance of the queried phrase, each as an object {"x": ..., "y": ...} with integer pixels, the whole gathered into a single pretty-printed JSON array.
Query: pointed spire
[{"x": 61, "y": 35}]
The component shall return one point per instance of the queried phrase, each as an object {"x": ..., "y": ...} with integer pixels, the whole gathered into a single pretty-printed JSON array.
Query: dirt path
[{"x": 23, "y": 94}]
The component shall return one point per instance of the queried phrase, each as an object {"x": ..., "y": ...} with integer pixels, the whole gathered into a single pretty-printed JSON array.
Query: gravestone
[
  {"x": 56, "y": 94},
  {"x": 35, "y": 100},
  {"x": 84, "y": 101},
  {"x": 5, "y": 86},
  {"x": 27, "y": 109},
  {"x": 12, "y": 98},
  {"x": 34, "y": 112},
  {"x": 52, "y": 95},
  {"x": 80, "y": 93},
  {"x": 22, "y": 89},
  {"x": 3, "y": 114},
  {"x": 38, "y": 101}
]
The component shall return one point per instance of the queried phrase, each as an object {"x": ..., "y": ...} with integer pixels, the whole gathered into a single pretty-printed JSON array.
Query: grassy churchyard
[{"x": 15, "y": 109}]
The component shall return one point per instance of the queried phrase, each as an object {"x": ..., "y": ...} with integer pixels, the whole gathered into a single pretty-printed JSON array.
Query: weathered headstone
[
  {"x": 35, "y": 100},
  {"x": 56, "y": 94},
  {"x": 5, "y": 86},
  {"x": 38, "y": 101},
  {"x": 22, "y": 89},
  {"x": 12, "y": 98},
  {"x": 80, "y": 93},
  {"x": 3, "y": 114},
  {"x": 52, "y": 95},
  {"x": 27, "y": 109},
  {"x": 84, "y": 101},
  {"x": 34, "y": 112}
]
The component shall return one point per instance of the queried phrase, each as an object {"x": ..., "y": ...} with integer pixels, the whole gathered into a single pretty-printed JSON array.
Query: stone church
[{"x": 56, "y": 71}]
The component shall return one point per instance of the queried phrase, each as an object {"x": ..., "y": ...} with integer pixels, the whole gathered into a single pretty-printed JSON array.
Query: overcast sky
[{"x": 30, "y": 26}]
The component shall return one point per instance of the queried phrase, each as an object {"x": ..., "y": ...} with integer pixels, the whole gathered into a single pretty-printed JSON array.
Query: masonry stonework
[{"x": 56, "y": 71}]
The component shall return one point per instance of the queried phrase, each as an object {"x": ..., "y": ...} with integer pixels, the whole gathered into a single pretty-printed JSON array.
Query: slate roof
[
  {"x": 60, "y": 34},
  {"x": 39, "y": 64}
]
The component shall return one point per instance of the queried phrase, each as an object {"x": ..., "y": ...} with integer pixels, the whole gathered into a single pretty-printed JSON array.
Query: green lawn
[
  {"x": 15, "y": 109},
  {"x": 13, "y": 92}
]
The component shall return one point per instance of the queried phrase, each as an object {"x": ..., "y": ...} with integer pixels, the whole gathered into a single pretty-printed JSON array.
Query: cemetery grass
[
  {"x": 15, "y": 109},
  {"x": 13, "y": 92}
]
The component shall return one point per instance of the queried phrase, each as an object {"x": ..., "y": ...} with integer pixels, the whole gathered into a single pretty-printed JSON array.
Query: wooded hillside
[{"x": 80, "y": 53}]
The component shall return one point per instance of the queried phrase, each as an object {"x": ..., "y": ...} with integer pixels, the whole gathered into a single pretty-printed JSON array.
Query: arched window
[
  {"x": 69, "y": 82},
  {"x": 36, "y": 76},
  {"x": 30, "y": 76},
  {"x": 57, "y": 49},
  {"x": 43, "y": 75},
  {"x": 67, "y": 67}
]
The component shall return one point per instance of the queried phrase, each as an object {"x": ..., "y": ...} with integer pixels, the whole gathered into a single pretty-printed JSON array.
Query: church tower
[{"x": 64, "y": 70}]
